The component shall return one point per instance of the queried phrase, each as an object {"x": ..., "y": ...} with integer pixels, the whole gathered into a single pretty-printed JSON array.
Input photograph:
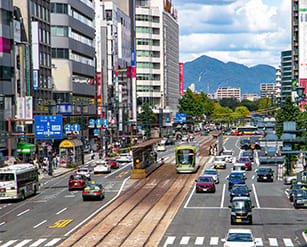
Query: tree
[
  {"x": 231, "y": 103},
  {"x": 242, "y": 110},
  {"x": 147, "y": 118}
]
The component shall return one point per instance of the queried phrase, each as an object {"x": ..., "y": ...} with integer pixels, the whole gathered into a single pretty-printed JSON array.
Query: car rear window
[{"x": 75, "y": 177}]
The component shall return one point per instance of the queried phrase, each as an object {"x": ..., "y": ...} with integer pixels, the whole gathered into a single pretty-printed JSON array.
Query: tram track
[{"x": 136, "y": 217}]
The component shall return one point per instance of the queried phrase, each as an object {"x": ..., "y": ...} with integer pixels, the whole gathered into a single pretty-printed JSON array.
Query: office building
[
  {"x": 295, "y": 38},
  {"x": 268, "y": 90},
  {"x": 157, "y": 56},
  {"x": 73, "y": 53},
  {"x": 286, "y": 74},
  {"x": 228, "y": 92}
]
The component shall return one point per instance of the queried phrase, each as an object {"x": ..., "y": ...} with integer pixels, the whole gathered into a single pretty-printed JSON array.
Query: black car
[
  {"x": 241, "y": 210},
  {"x": 295, "y": 187},
  {"x": 265, "y": 174},
  {"x": 245, "y": 143},
  {"x": 239, "y": 190},
  {"x": 170, "y": 141},
  {"x": 300, "y": 198}
]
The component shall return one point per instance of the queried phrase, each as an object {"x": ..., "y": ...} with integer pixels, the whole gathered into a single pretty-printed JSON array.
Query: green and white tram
[{"x": 187, "y": 158}]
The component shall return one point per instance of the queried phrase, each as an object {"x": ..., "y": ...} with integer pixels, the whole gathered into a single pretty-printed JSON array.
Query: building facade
[
  {"x": 250, "y": 97},
  {"x": 157, "y": 56},
  {"x": 228, "y": 92},
  {"x": 268, "y": 90},
  {"x": 295, "y": 38},
  {"x": 7, "y": 88},
  {"x": 73, "y": 53},
  {"x": 286, "y": 74}
]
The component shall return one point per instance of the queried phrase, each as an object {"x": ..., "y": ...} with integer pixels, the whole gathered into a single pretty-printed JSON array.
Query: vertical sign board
[
  {"x": 181, "y": 79},
  {"x": 48, "y": 127},
  {"x": 99, "y": 92},
  {"x": 29, "y": 108},
  {"x": 303, "y": 45},
  {"x": 20, "y": 108},
  {"x": 35, "y": 80}
]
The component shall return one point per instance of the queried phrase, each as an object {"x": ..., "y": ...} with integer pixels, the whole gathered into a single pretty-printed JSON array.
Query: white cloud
[{"x": 243, "y": 31}]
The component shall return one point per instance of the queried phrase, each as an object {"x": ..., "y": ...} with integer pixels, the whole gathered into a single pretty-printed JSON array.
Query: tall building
[
  {"x": 286, "y": 74},
  {"x": 268, "y": 90},
  {"x": 73, "y": 53},
  {"x": 34, "y": 77},
  {"x": 295, "y": 38},
  {"x": 157, "y": 56},
  {"x": 7, "y": 89},
  {"x": 228, "y": 92}
]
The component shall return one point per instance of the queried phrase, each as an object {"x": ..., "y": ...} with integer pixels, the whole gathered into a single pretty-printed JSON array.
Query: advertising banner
[
  {"x": 181, "y": 79},
  {"x": 99, "y": 91}
]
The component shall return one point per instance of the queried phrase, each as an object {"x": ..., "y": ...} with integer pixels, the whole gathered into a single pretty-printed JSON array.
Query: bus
[
  {"x": 246, "y": 130},
  {"x": 187, "y": 158},
  {"x": 18, "y": 181}
]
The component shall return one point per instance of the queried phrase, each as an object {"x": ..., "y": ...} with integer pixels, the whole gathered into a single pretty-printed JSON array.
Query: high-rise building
[
  {"x": 73, "y": 53},
  {"x": 157, "y": 56},
  {"x": 286, "y": 74},
  {"x": 295, "y": 38},
  {"x": 34, "y": 48},
  {"x": 6, "y": 71},
  {"x": 228, "y": 92}
]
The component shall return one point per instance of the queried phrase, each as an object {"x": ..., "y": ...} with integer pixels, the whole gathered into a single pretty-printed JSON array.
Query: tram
[{"x": 187, "y": 158}]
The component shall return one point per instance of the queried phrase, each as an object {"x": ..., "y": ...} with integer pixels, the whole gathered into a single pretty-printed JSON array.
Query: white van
[{"x": 239, "y": 167}]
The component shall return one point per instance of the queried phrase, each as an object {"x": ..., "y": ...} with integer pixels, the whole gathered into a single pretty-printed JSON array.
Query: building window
[
  {"x": 59, "y": 8},
  {"x": 59, "y": 31},
  {"x": 60, "y": 53}
]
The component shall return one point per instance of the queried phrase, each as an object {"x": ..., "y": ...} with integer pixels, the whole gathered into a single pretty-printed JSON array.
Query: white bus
[{"x": 18, "y": 181}]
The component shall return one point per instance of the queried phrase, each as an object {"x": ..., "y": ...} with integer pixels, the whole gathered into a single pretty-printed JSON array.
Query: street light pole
[{"x": 82, "y": 133}]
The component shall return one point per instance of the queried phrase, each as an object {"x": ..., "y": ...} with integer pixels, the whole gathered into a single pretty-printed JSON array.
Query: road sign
[
  {"x": 48, "y": 127},
  {"x": 49, "y": 148},
  {"x": 98, "y": 123},
  {"x": 139, "y": 127},
  {"x": 113, "y": 121},
  {"x": 181, "y": 118},
  {"x": 96, "y": 131},
  {"x": 105, "y": 122},
  {"x": 123, "y": 136},
  {"x": 76, "y": 127},
  {"x": 64, "y": 109},
  {"x": 67, "y": 127},
  {"x": 91, "y": 123}
]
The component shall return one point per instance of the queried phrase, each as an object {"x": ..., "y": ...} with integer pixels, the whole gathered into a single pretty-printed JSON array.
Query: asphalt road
[{"x": 204, "y": 218}]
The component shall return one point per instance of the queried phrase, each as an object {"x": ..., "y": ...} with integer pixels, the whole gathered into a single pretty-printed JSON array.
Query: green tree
[
  {"x": 147, "y": 118},
  {"x": 231, "y": 103},
  {"x": 207, "y": 104},
  {"x": 190, "y": 104},
  {"x": 242, "y": 110},
  {"x": 251, "y": 105},
  {"x": 220, "y": 111}
]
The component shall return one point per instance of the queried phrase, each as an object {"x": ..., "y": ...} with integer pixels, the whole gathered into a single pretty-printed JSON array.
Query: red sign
[
  {"x": 181, "y": 79},
  {"x": 99, "y": 92},
  {"x": 133, "y": 72},
  {"x": 128, "y": 72},
  {"x": 113, "y": 121}
]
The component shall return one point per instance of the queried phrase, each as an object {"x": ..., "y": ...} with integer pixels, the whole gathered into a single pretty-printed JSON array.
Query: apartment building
[
  {"x": 269, "y": 90},
  {"x": 228, "y": 92}
]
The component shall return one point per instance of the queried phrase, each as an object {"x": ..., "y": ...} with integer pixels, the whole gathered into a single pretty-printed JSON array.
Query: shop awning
[{"x": 25, "y": 148}]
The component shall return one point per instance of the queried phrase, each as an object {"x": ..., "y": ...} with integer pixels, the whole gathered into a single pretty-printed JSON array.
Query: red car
[
  {"x": 112, "y": 162},
  {"x": 247, "y": 162},
  {"x": 205, "y": 184},
  {"x": 77, "y": 181}
]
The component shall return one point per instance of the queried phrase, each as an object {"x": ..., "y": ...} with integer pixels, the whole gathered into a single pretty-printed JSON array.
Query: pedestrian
[
  {"x": 92, "y": 154},
  {"x": 100, "y": 155},
  {"x": 57, "y": 160}
]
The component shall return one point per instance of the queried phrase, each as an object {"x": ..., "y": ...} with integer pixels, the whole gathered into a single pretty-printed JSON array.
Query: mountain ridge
[{"x": 205, "y": 69}]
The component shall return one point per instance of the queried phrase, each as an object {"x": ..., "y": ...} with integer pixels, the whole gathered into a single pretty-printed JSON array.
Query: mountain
[{"x": 204, "y": 70}]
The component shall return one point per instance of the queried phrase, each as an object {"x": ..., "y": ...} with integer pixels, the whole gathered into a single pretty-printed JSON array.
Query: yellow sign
[
  {"x": 61, "y": 223},
  {"x": 66, "y": 144}
]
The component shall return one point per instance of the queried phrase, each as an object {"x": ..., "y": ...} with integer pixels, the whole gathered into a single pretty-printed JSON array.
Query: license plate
[
  {"x": 264, "y": 177},
  {"x": 204, "y": 189},
  {"x": 218, "y": 165},
  {"x": 2, "y": 194},
  {"x": 238, "y": 220}
]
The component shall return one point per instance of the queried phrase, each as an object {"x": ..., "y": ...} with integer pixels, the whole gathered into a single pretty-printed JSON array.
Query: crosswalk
[
  {"x": 42, "y": 242},
  {"x": 216, "y": 241}
]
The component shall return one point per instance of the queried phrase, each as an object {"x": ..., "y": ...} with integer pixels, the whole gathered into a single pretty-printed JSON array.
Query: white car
[
  {"x": 161, "y": 148},
  {"x": 239, "y": 238},
  {"x": 102, "y": 166},
  {"x": 219, "y": 162},
  {"x": 125, "y": 157},
  {"x": 85, "y": 171},
  {"x": 228, "y": 155}
]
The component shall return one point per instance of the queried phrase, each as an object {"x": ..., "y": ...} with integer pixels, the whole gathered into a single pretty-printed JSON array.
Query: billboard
[
  {"x": 99, "y": 92},
  {"x": 181, "y": 79}
]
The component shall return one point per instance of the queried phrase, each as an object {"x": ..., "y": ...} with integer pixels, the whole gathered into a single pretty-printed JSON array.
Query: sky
[{"x": 248, "y": 32}]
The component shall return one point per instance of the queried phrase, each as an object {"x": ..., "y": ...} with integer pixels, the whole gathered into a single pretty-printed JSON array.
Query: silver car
[
  {"x": 290, "y": 179},
  {"x": 213, "y": 173}
]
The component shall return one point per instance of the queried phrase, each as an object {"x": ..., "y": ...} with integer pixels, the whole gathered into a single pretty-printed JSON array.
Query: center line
[
  {"x": 61, "y": 211},
  {"x": 23, "y": 212},
  {"x": 44, "y": 221}
]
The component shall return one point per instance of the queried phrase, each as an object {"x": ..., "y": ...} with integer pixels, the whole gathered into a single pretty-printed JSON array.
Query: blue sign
[
  {"x": 139, "y": 127},
  {"x": 96, "y": 131},
  {"x": 35, "y": 80},
  {"x": 132, "y": 58},
  {"x": 181, "y": 118},
  {"x": 91, "y": 123},
  {"x": 67, "y": 127},
  {"x": 98, "y": 123},
  {"x": 76, "y": 127},
  {"x": 64, "y": 109},
  {"x": 167, "y": 119},
  {"x": 48, "y": 127},
  {"x": 105, "y": 122}
]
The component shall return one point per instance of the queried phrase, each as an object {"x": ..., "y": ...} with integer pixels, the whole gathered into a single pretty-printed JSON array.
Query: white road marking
[
  {"x": 38, "y": 242},
  {"x": 9, "y": 243},
  {"x": 99, "y": 209},
  {"x": 24, "y": 242},
  {"x": 169, "y": 240},
  {"x": 214, "y": 240},
  {"x": 199, "y": 241},
  {"x": 44, "y": 221},
  {"x": 188, "y": 201},
  {"x": 27, "y": 210},
  {"x": 184, "y": 240},
  {"x": 223, "y": 196},
  {"x": 273, "y": 242},
  {"x": 61, "y": 211},
  {"x": 52, "y": 242},
  {"x": 288, "y": 242},
  {"x": 259, "y": 242},
  {"x": 2, "y": 223},
  {"x": 256, "y": 197}
]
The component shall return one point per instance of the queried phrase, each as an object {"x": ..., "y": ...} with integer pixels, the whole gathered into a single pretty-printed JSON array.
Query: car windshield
[
  {"x": 236, "y": 176},
  {"x": 210, "y": 172},
  {"x": 246, "y": 153},
  {"x": 239, "y": 237},
  {"x": 264, "y": 169},
  {"x": 244, "y": 159},
  {"x": 185, "y": 156},
  {"x": 75, "y": 177},
  {"x": 297, "y": 186},
  {"x": 83, "y": 170},
  {"x": 227, "y": 153},
  {"x": 219, "y": 158},
  {"x": 241, "y": 205},
  {"x": 92, "y": 187},
  {"x": 205, "y": 179}
]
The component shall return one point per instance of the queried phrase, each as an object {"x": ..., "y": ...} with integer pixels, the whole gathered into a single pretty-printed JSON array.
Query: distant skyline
[{"x": 248, "y": 32}]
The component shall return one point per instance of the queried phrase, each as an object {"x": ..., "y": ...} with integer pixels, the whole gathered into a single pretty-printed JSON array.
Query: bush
[
  {"x": 73, "y": 165},
  {"x": 112, "y": 155},
  {"x": 305, "y": 230}
]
